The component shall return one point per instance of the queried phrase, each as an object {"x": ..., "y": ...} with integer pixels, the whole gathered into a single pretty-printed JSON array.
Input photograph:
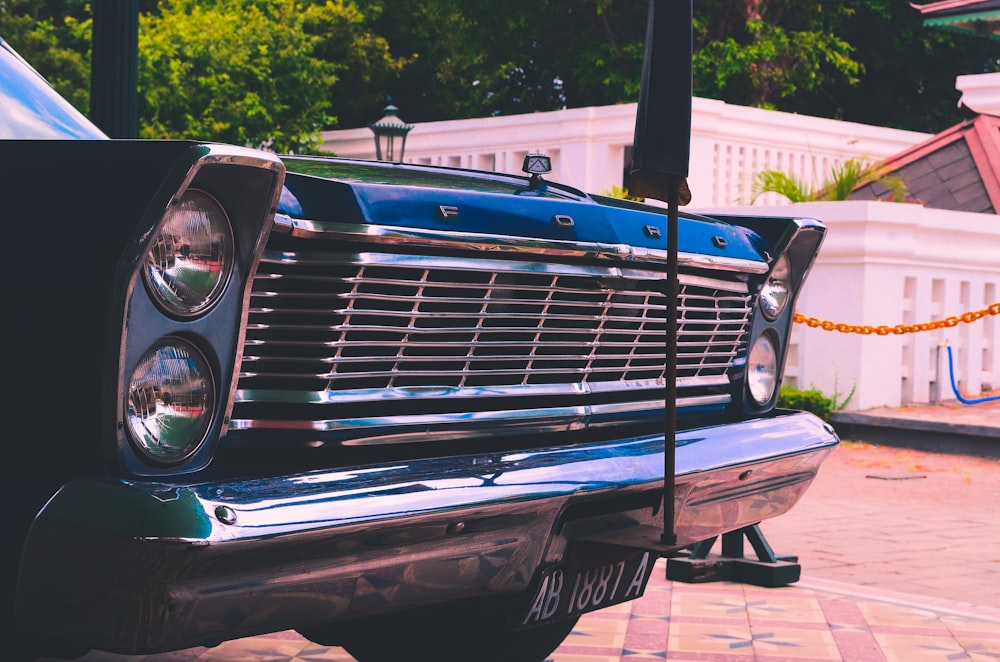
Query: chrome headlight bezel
[
  {"x": 189, "y": 261},
  {"x": 776, "y": 291},
  {"x": 170, "y": 401},
  {"x": 245, "y": 185},
  {"x": 762, "y": 369},
  {"x": 790, "y": 248}
]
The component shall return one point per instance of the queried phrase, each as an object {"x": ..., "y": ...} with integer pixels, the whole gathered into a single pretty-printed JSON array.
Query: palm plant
[
  {"x": 839, "y": 184},
  {"x": 619, "y": 192}
]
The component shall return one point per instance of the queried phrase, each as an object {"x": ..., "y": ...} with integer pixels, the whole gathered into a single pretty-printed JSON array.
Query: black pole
[
  {"x": 669, "y": 536},
  {"x": 661, "y": 152},
  {"x": 114, "y": 67}
]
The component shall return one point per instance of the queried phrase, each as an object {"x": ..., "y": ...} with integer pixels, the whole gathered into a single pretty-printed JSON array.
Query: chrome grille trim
[
  {"x": 385, "y": 430},
  {"x": 474, "y": 241},
  {"x": 339, "y": 329},
  {"x": 539, "y": 390}
]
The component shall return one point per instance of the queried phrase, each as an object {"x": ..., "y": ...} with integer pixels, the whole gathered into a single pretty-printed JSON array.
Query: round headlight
[
  {"x": 762, "y": 370},
  {"x": 170, "y": 401},
  {"x": 774, "y": 294},
  {"x": 190, "y": 259}
]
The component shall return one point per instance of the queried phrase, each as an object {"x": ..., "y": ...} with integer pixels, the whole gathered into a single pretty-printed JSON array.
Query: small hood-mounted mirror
[{"x": 536, "y": 165}]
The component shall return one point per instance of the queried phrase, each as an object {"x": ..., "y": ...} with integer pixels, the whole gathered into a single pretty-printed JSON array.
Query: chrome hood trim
[{"x": 490, "y": 243}]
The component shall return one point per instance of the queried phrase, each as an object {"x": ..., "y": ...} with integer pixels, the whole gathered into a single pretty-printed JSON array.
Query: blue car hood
[{"x": 411, "y": 196}]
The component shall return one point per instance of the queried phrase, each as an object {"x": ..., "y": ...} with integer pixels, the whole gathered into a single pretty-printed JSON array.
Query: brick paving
[
  {"x": 717, "y": 622},
  {"x": 900, "y": 556},
  {"x": 899, "y": 519}
]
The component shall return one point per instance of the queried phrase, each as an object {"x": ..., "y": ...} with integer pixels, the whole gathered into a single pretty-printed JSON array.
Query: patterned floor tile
[
  {"x": 600, "y": 632},
  {"x": 918, "y": 648},
  {"x": 686, "y": 638},
  {"x": 795, "y": 608},
  {"x": 716, "y": 622},
  {"x": 791, "y": 643},
  {"x": 879, "y": 614}
]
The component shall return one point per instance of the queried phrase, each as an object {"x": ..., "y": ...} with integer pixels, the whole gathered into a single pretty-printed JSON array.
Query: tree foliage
[
  {"x": 481, "y": 59},
  {"x": 869, "y": 61},
  {"x": 274, "y": 72},
  {"x": 248, "y": 72},
  {"x": 758, "y": 63},
  {"x": 468, "y": 58},
  {"x": 54, "y": 36},
  {"x": 909, "y": 73}
]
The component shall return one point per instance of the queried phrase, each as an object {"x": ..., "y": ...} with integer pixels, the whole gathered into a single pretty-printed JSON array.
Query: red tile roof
[{"x": 957, "y": 169}]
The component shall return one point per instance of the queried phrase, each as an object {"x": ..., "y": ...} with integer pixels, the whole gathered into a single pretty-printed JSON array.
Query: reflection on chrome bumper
[{"x": 144, "y": 567}]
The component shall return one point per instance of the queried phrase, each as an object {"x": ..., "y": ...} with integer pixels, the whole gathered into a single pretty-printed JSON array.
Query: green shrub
[{"x": 812, "y": 400}]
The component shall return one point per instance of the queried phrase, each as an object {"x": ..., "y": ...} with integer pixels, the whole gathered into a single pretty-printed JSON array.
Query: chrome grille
[
  {"x": 384, "y": 321},
  {"x": 378, "y": 333}
]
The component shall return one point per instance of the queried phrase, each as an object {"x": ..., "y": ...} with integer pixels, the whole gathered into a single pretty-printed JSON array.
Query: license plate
[{"x": 563, "y": 594}]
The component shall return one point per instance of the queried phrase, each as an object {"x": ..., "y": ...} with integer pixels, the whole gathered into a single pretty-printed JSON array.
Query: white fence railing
[
  {"x": 885, "y": 264},
  {"x": 881, "y": 264},
  {"x": 590, "y": 147}
]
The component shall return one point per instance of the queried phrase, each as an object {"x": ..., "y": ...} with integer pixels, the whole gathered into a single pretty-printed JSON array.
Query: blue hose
[{"x": 954, "y": 386}]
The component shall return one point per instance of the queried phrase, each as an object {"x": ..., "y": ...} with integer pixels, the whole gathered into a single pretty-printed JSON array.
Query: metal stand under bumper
[{"x": 768, "y": 570}]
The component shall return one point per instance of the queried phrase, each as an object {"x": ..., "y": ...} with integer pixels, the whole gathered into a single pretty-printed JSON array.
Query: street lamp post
[{"x": 386, "y": 131}]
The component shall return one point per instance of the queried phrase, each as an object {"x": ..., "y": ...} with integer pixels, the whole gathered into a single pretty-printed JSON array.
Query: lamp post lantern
[{"x": 386, "y": 131}]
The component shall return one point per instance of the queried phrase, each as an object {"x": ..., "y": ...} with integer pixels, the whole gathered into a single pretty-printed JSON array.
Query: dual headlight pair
[
  {"x": 171, "y": 393},
  {"x": 762, "y": 361}
]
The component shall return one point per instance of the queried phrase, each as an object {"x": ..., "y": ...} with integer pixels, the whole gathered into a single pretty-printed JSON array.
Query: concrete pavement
[
  {"x": 902, "y": 520},
  {"x": 951, "y": 427}
]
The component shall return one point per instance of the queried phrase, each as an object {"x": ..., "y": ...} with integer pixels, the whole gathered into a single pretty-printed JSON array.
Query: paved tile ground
[
  {"x": 718, "y": 622},
  {"x": 900, "y": 555},
  {"x": 902, "y": 520}
]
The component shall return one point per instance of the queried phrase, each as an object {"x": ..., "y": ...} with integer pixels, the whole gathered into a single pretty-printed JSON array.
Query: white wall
[
  {"x": 881, "y": 264},
  {"x": 587, "y": 145},
  {"x": 884, "y": 264}
]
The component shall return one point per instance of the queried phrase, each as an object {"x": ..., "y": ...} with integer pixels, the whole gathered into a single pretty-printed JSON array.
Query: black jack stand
[{"x": 768, "y": 570}]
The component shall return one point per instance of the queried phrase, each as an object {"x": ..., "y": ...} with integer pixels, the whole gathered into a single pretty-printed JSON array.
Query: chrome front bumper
[{"x": 139, "y": 567}]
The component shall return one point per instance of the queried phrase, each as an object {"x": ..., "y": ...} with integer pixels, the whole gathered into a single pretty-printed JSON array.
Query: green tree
[
  {"x": 767, "y": 53},
  {"x": 910, "y": 69},
  {"x": 239, "y": 71},
  {"x": 468, "y": 58},
  {"x": 250, "y": 72},
  {"x": 54, "y": 36},
  {"x": 868, "y": 61},
  {"x": 434, "y": 44}
]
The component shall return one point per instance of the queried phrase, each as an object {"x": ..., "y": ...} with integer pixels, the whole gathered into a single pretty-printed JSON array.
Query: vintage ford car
[{"x": 414, "y": 411}]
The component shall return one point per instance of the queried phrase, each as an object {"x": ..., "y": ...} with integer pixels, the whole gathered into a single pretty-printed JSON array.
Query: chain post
[{"x": 939, "y": 373}]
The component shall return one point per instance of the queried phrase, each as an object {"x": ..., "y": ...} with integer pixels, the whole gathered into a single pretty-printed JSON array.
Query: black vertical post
[
  {"x": 661, "y": 153},
  {"x": 670, "y": 372},
  {"x": 114, "y": 67}
]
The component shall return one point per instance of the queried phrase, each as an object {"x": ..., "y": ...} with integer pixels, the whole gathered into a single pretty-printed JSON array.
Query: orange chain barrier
[{"x": 899, "y": 329}]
